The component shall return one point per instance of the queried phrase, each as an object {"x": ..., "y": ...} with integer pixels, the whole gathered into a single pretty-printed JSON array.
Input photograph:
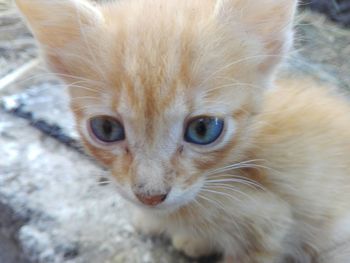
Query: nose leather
[{"x": 151, "y": 200}]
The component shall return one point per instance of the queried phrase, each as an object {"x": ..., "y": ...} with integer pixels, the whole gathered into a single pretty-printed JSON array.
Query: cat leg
[
  {"x": 266, "y": 226},
  {"x": 191, "y": 246},
  {"x": 147, "y": 224}
]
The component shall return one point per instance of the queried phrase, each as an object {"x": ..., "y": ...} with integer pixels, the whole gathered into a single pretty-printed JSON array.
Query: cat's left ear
[
  {"x": 270, "y": 21},
  {"x": 55, "y": 22},
  {"x": 60, "y": 25}
]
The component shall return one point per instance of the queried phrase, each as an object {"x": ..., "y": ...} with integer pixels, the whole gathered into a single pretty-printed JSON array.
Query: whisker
[
  {"x": 48, "y": 74},
  {"x": 243, "y": 164},
  {"x": 87, "y": 43},
  {"x": 85, "y": 88},
  {"x": 249, "y": 161},
  {"x": 85, "y": 98},
  {"x": 198, "y": 203},
  {"x": 238, "y": 62},
  {"x": 250, "y": 183},
  {"x": 231, "y": 85},
  {"x": 79, "y": 78},
  {"x": 226, "y": 169},
  {"x": 227, "y": 187},
  {"x": 83, "y": 60},
  {"x": 216, "y": 203},
  {"x": 93, "y": 106},
  {"x": 206, "y": 189}
]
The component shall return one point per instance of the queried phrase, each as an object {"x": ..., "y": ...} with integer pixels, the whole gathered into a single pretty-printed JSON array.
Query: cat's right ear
[
  {"x": 59, "y": 25},
  {"x": 270, "y": 21}
]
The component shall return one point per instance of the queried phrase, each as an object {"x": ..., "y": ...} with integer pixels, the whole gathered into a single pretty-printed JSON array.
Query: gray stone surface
[
  {"x": 46, "y": 101},
  {"x": 53, "y": 206},
  {"x": 16, "y": 44},
  {"x": 325, "y": 48},
  {"x": 10, "y": 223}
]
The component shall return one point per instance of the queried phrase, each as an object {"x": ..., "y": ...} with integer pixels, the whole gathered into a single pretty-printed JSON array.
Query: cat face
[{"x": 163, "y": 91}]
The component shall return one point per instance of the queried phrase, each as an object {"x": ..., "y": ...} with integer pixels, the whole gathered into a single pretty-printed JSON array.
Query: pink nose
[{"x": 151, "y": 200}]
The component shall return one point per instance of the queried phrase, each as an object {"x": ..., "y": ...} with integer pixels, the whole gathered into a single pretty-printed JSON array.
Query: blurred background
[
  {"x": 336, "y": 10},
  {"x": 56, "y": 204}
]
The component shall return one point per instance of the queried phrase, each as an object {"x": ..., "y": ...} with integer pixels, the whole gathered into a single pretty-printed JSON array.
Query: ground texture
[{"x": 55, "y": 205}]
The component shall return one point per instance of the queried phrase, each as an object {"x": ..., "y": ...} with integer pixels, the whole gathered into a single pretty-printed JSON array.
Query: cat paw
[
  {"x": 192, "y": 247},
  {"x": 145, "y": 226}
]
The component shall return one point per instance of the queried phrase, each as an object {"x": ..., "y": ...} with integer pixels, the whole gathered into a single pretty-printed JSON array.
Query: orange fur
[{"x": 275, "y": 185}]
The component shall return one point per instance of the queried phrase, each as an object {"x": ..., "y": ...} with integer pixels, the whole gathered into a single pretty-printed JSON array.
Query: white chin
[{"x": 180, "y": 197}]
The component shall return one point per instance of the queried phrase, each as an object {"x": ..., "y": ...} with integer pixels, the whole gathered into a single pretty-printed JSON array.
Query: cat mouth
[{"x": 177, "y": 197}]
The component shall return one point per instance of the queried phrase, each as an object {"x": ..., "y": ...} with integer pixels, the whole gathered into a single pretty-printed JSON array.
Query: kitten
[{"x": 178, "y": 99}]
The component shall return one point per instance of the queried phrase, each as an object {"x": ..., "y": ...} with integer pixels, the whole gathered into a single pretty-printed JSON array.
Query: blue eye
[
  {"x": 204, "y": 130},
  {"x": 107, "y": 129}
]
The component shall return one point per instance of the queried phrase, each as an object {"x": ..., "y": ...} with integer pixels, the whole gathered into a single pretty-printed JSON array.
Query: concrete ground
[{"x": 55, "y": 203}]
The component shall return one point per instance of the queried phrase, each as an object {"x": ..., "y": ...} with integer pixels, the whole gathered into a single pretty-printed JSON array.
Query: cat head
[{"x": 163, "y": 91}]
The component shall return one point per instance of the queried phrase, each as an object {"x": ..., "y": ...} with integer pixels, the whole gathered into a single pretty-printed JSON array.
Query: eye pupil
[
  {"x": 201, "y": 128},
  {"x": 107, "y": 127}
]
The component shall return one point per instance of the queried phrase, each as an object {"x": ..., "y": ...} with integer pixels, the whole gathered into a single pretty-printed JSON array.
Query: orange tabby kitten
[{"x": 178, "y": 99}]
